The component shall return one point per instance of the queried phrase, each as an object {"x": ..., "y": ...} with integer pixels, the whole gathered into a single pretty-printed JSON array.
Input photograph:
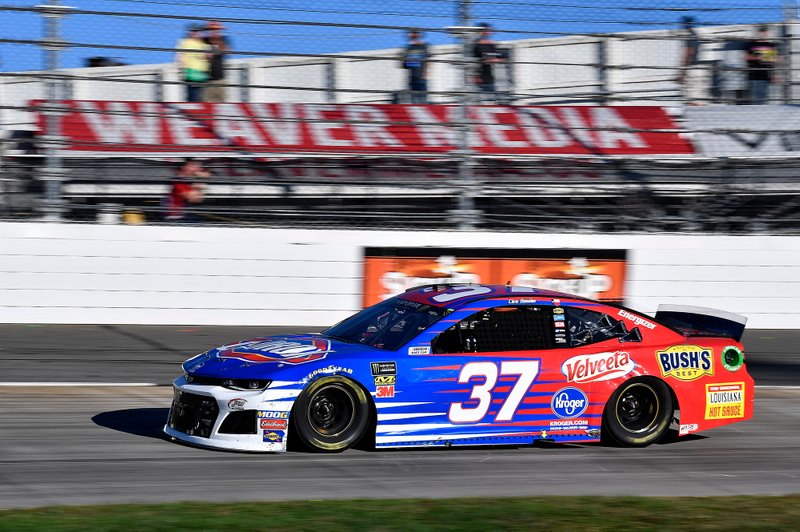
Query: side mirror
[{"x": 634, "y": 335}]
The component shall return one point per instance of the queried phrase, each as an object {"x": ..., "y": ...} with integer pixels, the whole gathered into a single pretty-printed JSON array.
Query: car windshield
[{"x": 388, "y": 325}]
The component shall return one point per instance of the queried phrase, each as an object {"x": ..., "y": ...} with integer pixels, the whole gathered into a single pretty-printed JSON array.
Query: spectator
[
  {"x": 691, "y": 76},
  {"x": 416, "y": 62},
  {"x": 733, "y": 73},
  {"x": 192, "y": 57},
  {"x": 186, "y": 191},
  {"x": 220, "y": 46},
  {"x": 762, "y": 56},
  {"x": 487, "y": 55}
]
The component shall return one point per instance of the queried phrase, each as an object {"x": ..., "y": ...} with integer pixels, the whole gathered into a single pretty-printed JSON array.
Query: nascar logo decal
[
  {"x": 686, "y": 362},
  {"x": 598, "y": 367},
  {"x": 286, "y": 351}
]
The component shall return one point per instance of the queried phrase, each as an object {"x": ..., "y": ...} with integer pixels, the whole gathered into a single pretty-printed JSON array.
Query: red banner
[{"x": 262, "y": 128}]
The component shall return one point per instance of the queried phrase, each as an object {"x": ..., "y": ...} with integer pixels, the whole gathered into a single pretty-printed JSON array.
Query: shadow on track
[{"x": 147, "y": 422}]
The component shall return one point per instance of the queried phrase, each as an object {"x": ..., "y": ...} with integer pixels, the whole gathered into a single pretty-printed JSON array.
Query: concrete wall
[{"x": 63, "y": 273}]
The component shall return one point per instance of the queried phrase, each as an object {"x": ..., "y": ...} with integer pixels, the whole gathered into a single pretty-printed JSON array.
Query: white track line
[{"x": 78, "y": 384}]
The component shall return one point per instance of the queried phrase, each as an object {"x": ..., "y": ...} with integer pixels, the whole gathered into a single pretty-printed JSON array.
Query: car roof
[{"x": 465, "y": 294}]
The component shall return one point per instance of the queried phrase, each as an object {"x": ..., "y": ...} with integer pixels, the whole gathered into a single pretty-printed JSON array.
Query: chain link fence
[{"x": 415, "y": 113}]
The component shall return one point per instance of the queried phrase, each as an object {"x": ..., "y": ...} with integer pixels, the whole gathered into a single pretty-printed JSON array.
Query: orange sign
[{"x": 587, "y": 273}]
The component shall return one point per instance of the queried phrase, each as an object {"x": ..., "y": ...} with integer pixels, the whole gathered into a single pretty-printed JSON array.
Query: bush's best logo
[
  {"x": 568, "y": 403},
  {"x": 686, "y": 362},
  {"x": 598, "y": 367},
  {"x": 286, "y": 351}
]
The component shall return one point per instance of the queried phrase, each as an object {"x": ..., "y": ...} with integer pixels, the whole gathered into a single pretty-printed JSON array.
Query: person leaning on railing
[
  {"x": 193, "y": 59},
  {"x": 220, "y": 46},
  {"x": 762, "y": 57}
]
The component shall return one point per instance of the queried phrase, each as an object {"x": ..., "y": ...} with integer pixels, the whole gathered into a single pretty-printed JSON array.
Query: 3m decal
[
  {"x": 265, "y": 350},
  {"x": 384, "y": 392},
  {"x": 569, "y": 403},
  {"x": 725, "y": 400},
  {"x": 274, "y": 424},
  {"x": 598, "y": 367},
  {"x": 527, "y": 371},
  {"x": 686, "y": 362}
]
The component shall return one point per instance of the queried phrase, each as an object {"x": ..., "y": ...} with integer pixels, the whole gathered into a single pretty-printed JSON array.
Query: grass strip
[{"x": 551, "y": 513}]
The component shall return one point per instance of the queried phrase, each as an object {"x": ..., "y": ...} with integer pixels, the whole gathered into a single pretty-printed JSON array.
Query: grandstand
[{"x": 668, "y": 167}]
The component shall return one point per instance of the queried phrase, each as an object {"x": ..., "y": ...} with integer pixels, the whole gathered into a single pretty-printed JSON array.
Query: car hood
[{"x": 264, "y": 356}]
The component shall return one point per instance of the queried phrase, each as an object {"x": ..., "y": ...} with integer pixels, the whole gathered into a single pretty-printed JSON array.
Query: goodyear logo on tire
[{"x": 686, "y": 362}]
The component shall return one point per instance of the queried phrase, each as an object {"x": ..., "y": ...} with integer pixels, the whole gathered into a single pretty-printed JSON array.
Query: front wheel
[
  {"x": 331, "y": 414},
  {"x": 638, "y": 413}
]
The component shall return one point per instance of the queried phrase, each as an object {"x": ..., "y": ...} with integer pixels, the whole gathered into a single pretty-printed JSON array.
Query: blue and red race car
[{"x": 470, "y": 365}]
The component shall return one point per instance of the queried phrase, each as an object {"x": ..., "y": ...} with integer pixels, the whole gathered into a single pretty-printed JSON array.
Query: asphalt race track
[{"x": 102, "y": 443}]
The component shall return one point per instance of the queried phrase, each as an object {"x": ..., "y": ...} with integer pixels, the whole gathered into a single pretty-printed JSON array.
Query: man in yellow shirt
[{"x": 193, "y": 60}]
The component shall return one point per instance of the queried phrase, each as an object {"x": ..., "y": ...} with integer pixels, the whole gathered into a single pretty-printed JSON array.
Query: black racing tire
[
  {"x": 638, "y": 413},
  {"x": 331, "y": 414}
]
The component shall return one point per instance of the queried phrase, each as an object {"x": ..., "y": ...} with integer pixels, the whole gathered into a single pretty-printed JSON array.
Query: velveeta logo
[
  {"x": 686, "y": 362},
  {"x": 597, "y": 367}
]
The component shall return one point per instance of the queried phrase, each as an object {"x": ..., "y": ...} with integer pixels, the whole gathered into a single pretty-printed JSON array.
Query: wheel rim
[
  {"x": 638, "y": 408},
  {"x": 330, "y": 411}
]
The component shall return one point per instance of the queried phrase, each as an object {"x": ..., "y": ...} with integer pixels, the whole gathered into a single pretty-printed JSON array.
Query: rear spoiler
[{"x": 701, "y": 321}]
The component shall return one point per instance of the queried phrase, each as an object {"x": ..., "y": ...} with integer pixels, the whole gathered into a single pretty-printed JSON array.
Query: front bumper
[{"x": 217, "y": 417}]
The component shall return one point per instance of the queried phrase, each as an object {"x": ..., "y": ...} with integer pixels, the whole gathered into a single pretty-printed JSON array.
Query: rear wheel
[
  {"x": 331, "y": 414},
  {"x": 638, "y": 413}
]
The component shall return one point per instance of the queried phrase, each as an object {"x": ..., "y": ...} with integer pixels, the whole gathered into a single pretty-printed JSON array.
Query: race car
[{"x": 452, "y": 365}]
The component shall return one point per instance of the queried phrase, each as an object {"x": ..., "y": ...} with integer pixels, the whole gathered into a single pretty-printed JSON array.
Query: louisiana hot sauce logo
[{"x": 686, "y": 362}]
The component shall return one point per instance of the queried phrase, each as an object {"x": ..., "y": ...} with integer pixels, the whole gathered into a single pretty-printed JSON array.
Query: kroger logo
[{"x": 569, "y": 403}]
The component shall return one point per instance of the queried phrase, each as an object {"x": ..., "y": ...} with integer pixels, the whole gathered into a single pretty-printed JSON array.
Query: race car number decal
[
  {"x": 462, "y": 291},
  {"x": 527, "y": 370}
]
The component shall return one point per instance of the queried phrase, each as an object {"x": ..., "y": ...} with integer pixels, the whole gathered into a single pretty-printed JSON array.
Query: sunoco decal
[
  {"x": 686, "y": 362},
  {"x": 568, "y": 403},
  {"x": 598, "y": 367},
  {"x": 725, "y": 401},
  {"x": 286, "y": 351}
]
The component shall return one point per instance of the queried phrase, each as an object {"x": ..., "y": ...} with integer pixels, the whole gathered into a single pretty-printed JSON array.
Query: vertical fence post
[
  {"x": 790, "y": 8},
  {"x": 52, "y": 173},
  {"x": 330, "y": 81},
  {"x": 602, "y": 71},
  {"x": 465, "y": 216}
]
